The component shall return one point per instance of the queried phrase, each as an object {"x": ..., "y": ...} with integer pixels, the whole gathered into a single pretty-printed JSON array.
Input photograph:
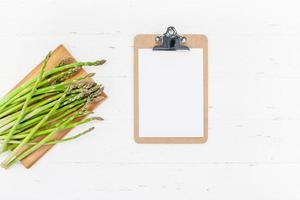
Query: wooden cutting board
[{"x": 59, "y": 54}]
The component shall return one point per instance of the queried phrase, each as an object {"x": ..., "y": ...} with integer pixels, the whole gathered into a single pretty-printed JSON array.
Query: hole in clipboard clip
[{"x": 170, "y": 41}]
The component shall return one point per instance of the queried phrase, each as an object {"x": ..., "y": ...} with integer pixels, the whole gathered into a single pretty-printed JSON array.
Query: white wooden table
[{"x": 253, "y": 151}]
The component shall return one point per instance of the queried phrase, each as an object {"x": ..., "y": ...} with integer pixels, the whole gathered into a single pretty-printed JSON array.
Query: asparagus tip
[
  {"x": 90, "y": 129},
  {"x": 85, "y": 132},
  {"x": 100, "y": 62},
  {"x": 48, "y": 55},
  {"x": 98, "y": 118},
  {"x": 66, "y": 61},
  {"x": 4, "y": 166},
  {"x": 90, "y": 74}
]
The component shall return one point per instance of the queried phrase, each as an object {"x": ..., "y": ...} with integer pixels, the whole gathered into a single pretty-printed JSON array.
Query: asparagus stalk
[
  {"x": 16, "y": 106},
  {"x": 30, "y": 112},
  {"x": 32, "y": 132},
  {"x": 42, "y": 143},
  {"x": 65, "y": 109},
  {"x": 23, "y": 111},
  {"x": 56, "y": 141},
  {"x": 7, "y": 98},
  {"x": 13, "y": 144},
  {"x": 15, "y": 156},
  {"x": 52, "y": 88},
  {"x": 43, "y": 106},
  {"x": 50, "y": 129}
]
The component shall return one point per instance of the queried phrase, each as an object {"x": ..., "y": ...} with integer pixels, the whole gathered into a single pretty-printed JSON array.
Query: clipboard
[{"x": 163, "y": 92}]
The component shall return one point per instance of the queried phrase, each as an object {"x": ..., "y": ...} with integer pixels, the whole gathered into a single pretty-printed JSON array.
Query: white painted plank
[{"x": 254, "y": 75}]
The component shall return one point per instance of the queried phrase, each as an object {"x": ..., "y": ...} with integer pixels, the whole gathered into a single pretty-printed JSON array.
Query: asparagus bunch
[{"x": 34, "y": 112}]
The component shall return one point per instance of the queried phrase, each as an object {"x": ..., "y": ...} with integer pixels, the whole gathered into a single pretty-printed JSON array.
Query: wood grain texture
[{"x": 59, "y": 54}]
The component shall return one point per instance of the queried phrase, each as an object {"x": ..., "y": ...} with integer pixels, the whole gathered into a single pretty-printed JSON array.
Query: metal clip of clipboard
[{"x": 170, "y": 41}]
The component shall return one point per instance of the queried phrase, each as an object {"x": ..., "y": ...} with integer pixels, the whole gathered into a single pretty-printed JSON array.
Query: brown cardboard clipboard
[{"x": 147, "y": 41}]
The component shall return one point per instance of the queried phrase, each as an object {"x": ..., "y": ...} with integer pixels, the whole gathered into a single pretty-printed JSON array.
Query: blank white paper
[{"x": 170, "y": 93}]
